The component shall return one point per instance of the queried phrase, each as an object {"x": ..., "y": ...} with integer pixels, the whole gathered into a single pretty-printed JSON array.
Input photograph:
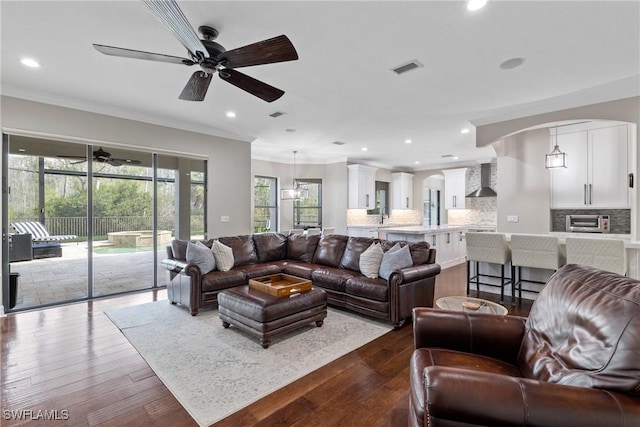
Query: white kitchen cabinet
[
  {"x": 402, "y": 188},
  {"x": 362, "y": 187},
  {"x": 597, "y": 169},
  {"x": 455, "y": 181},
  {"x": 362, "y": 232}
]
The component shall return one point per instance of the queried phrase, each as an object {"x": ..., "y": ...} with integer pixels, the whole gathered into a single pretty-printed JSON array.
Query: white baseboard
[{"x": 2, "y": 313}]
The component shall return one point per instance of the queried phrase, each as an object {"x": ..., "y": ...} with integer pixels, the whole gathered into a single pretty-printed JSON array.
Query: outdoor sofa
[{"x": 331, "y": 262}]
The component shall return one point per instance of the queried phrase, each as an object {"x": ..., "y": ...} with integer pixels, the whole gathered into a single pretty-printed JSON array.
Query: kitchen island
[{"x": 448, "y": 240}]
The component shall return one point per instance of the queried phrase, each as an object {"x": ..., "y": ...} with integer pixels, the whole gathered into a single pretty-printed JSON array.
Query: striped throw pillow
[
  {"x": 370, "y": 260},
  {"x": 223, "y": 255}
]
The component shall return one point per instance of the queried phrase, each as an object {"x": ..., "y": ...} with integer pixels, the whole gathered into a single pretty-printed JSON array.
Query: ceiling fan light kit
[{"x": 210, "y": 56}]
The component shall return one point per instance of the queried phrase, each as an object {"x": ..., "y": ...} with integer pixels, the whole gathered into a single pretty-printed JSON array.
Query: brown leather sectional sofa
[{"x": 331, "y": 262}]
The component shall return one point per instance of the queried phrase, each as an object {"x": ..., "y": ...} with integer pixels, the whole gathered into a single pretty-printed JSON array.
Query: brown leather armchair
[{"x": 575, "y": 361}]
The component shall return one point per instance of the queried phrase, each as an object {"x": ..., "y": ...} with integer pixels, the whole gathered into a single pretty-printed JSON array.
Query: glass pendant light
[
  {"x": 556, "y": 159},
  {"x": 295, "y": 192}
]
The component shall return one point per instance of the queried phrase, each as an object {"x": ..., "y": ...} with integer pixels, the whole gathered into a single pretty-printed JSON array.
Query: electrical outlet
[
  {"x": 224, "y": 218},
  {"x": 512, "y": 218}
]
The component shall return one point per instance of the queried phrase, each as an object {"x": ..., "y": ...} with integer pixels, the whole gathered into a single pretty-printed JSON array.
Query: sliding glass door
[{"x": 81, "y": 221}]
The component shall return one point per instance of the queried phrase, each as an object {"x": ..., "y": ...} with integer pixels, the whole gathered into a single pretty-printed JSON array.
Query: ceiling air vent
[
  {"x": 338, "y": 143},
  {"x": 447, "y": 155},
  {"x": 411, "y": 65},
  {"x": 277, "y": 114}
]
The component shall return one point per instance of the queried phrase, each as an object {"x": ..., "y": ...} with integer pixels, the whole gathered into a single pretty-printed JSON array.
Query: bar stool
[
  {"x": 541, "y": 252},
  {"x": 605, "y": 254},
  {"x": 313, "y": 231},
  {"x": 491, "y": 248},
  {"x": 296, "y": 231}
]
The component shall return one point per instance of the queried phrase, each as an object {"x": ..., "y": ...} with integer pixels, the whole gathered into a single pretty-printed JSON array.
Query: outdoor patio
[{"x": 60, "y": 279}]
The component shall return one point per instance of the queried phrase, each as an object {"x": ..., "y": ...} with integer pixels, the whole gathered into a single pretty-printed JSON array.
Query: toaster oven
[{"x": 588, "y": 223}]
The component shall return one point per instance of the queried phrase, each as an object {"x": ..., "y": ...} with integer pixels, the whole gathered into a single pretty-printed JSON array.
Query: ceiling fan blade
[
  {"x": 251, "y": 85},
  {"x": 196, "y": 87},
  {"x": 72, "y": 157},
  {"x": 168, "y": 12},
  {"x": 127, "y": 161},
  {"x": 277, "y": 49},
  {"x": 138, "y": 54}
]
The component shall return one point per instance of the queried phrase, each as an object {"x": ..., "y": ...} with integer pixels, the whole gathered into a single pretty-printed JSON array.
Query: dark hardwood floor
[{"x": 73, "y": 360}]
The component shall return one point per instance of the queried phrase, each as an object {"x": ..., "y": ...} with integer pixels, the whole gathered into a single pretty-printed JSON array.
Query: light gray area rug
[{"x": 214, "y": 372}]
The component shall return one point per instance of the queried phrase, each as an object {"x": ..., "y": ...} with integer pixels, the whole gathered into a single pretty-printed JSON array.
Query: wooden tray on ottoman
[{"x": 280, "y": 285}]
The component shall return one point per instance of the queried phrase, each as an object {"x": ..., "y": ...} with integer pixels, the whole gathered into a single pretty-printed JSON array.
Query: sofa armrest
[
  {"x": 479, "y": 333},
  {"x": 411, "y": 287},
  {"x": 479, "y": 398},
  {"x": 414, "y": 273}
]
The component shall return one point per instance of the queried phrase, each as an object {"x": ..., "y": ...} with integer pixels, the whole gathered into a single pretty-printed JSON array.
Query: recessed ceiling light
[
  {"x": 417, "y": 162},
  {"x": 512, "y": 63},
  {"x": 22, "y": 150},
  {"x": 364, "y": 148},
  {"x": 465, "y": 130},
  {"x": 231, "y": 114},
  {"x": 455, "y": 157},
  {"x": 407, "y": 141},
  {"x": 30, "y": 62},
  {"x": 476, "y": 4}
]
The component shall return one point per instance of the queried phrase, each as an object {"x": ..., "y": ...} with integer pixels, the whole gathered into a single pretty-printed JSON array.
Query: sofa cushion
[
  {"x": 270, "y": 246},
  {"x": 179, "y": 249},
  {"x": 300, "y": 269},
  {"x": 330, "y": 250},
  {"x": 216, "y": 280},
  {"x": 301, "y": 247},
  {"x": 244, "y": 251},
  {"x": 355, "y": 247},
  {"x": 223, "y": 255},
  {"x": 201, "y": 256},
  {"x": 252, "y": 271},
  {"x": 584, "y": 331},
  {"x": 332, "y": 278},
  {"x": 419, "y": 252},
  {"x": 394, "y": 259},
  {"x": 370, "y": 261},
  {"x": 361, "y": 286}
]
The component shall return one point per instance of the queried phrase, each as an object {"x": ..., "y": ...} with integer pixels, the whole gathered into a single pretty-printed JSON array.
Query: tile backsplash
[
  {"x": 397, "y": 216},
  {"x": 620, "y": 221},
  {"x": 479, "y": 211}
]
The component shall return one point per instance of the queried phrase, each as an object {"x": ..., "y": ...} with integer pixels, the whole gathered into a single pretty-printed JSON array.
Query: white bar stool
[
  {"x": 531, "y": 251},
  {"x": 313, "y": 231},
  {"x": 296, "y": 231},
  {"x": 489, "y": 248},
  {"x": 605, "y": 254},
  {"x": 326, "y": 231}
]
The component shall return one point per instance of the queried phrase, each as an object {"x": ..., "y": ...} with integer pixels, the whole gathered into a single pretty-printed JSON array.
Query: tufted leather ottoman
[{"x": 264, "y": 315}]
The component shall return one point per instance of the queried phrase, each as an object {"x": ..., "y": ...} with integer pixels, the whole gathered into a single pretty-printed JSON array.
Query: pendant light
[
  {"x": 556, "y": 159},
  {"x": 295, "y": 192}
]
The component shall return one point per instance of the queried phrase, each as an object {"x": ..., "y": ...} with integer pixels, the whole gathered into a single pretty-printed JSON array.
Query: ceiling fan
[
  {"x": 210, "y": 56},
  {"x": 102, "y": 156}
]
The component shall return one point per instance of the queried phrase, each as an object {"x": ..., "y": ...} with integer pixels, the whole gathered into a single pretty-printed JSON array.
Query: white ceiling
[{"x": 342, "y": 87}]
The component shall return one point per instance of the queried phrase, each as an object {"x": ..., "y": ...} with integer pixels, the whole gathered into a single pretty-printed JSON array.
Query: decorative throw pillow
[
  {"x": 199, "y": 254},
  {"x": 394, "y": 259},
  {"x": 223, "y": 255},
  {"x": 370, "y": 260}
]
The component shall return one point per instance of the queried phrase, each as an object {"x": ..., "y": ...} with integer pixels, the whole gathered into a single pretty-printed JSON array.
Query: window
[
  {"x": 265, "y": 200},
  {"x": 308, "y": 212}
]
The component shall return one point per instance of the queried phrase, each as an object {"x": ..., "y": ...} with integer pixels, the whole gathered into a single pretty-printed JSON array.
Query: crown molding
[
  {"x": 29, "y": 95},
  {"x": 619, "y": 89}
]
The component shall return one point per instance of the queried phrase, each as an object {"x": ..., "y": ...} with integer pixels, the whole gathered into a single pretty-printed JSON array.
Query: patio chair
[{"x": 45, "y": 244}]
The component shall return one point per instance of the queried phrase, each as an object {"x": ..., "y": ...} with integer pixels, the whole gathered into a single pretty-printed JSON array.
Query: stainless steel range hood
[{"x": 485, "y": 179}]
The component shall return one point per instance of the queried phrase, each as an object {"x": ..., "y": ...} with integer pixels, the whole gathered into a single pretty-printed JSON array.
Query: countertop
[
  {"x": 431, "y": 229},
  {"x": 383, "y": 225}
]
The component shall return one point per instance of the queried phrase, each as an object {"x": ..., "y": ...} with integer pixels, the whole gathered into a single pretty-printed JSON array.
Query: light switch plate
[
  {"x": 512, "y": 218},
  {"x": 224, "y": 218}
]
